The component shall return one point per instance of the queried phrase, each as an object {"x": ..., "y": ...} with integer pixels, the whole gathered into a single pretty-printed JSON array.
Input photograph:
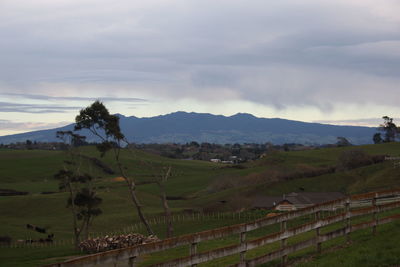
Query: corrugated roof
[
  {"x": 313, "y": 197},
  {"x": 266, "y": 201},
  {"x": 301, "y": 198}
]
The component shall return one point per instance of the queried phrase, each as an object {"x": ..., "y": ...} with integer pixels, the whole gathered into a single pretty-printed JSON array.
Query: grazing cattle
[
  {"x": 40, "y": 230},
  {"x": 36, "y": 228},
  {"x": 50, "y": 238}
]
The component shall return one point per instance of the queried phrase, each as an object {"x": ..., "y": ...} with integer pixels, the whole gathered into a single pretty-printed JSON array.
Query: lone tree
[
  {"x": 389, "y": 128},
  {"x": 105, "y": 126},
  {"x": 82, "y": 199},
  {"x": 377, "y": 138}
]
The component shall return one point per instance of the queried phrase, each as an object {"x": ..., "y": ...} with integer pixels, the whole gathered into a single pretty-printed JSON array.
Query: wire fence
[{"x": 138, "y": 227}]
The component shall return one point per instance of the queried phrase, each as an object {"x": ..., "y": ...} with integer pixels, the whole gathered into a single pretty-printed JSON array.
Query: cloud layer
[
  {"x": 73, "y": 98},
  {"x": 13, "y": 127},
  {"x": 33, "y": 108},
  {"x": 307, "y": 54}
]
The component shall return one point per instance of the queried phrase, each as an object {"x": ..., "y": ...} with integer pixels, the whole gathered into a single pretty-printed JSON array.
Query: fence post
[
  {"x": 243, "y": 243},
  {"x": 348, "y": 226},
  {"x": 193, "y": 251},
  {"x": 132, "y": 261},
  {"x": 375, "y": 214},
  {"x": 284, "y": 242},
  {"x": 318, "y": 230}
]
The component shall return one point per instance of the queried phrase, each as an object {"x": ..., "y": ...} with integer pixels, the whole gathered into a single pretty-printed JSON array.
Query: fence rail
[{"x": 378, "y": 202}]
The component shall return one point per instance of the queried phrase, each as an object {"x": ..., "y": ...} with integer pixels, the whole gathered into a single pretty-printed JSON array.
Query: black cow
[{"x": 36, "y": 228}]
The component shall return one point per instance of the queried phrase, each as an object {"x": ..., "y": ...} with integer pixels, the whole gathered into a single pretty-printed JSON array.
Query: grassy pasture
[
  {"x": 32, "y": 171},
  {"x": 357, "y": 237}
]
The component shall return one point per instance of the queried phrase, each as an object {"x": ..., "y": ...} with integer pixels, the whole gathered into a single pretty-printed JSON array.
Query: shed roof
[
  {"x": 301, "y": 198},
  {"x": 266, "y": 201},
  {"x": 312, "y": 197}
]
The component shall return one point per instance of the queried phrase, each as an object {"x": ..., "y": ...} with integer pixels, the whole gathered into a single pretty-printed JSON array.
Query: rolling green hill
[{"x": 195, "y": 185}]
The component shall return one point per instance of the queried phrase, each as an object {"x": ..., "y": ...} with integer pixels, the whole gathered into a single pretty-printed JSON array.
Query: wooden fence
[{"x": 350, "y": 207}]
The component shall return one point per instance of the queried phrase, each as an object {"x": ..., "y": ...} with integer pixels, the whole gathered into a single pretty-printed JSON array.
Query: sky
[{"x": 334, "y": 62}]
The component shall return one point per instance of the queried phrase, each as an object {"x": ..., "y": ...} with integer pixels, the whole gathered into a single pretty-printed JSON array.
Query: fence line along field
[{"x": 132, "y": 254}]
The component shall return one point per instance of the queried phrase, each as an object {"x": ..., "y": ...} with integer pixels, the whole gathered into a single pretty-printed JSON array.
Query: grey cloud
[
  {"x": 46, "y": 97},
  {"x": 28, "y": 126},
  {"x": 31, "y": 111},
  {"x": 286, "y": 53},
  {"x": 214, "y": 77},
  {"x": 372, "y": 122},
  {"x": 34, "y": 108}
]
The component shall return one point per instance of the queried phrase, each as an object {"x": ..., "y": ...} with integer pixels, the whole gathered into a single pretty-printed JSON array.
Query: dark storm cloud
[{"x": 282, "y": 54}]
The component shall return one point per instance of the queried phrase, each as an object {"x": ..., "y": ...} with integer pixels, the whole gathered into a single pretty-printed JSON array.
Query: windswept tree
[
  {"x": 389, "y": 128},
  {"x": 105, "y": 126},
  {"x": 83, "y": 200}
]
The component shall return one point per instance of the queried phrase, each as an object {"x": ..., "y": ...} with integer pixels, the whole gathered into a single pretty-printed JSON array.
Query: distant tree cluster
[
  {"x": 389, "y": 129},
  {"x": 32, "y": 145}
]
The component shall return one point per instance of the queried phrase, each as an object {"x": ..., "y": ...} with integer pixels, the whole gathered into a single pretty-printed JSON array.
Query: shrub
[{"x": 354, "y": 158}]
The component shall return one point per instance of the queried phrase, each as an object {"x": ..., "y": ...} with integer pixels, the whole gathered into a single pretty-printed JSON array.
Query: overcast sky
[{"x": 310, "y": 60}]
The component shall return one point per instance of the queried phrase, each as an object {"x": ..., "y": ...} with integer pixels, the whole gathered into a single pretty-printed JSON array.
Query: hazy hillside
[{"x": 182, "y": 127}]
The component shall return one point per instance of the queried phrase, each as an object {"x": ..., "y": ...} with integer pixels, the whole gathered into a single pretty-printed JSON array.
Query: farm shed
[{"x": 295, "y": 200}]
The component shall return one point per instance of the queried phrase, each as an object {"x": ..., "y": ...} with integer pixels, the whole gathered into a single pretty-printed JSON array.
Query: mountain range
[{"x": 182, "y": 127}]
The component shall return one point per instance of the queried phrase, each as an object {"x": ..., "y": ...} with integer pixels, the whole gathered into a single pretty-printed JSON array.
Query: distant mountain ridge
[{"x": 182, "y": 127}]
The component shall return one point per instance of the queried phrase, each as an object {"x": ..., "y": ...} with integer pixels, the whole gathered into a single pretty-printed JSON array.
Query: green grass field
[
  {"x": 192, "y": 184},
  {"x": 364, "y": 250}
]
